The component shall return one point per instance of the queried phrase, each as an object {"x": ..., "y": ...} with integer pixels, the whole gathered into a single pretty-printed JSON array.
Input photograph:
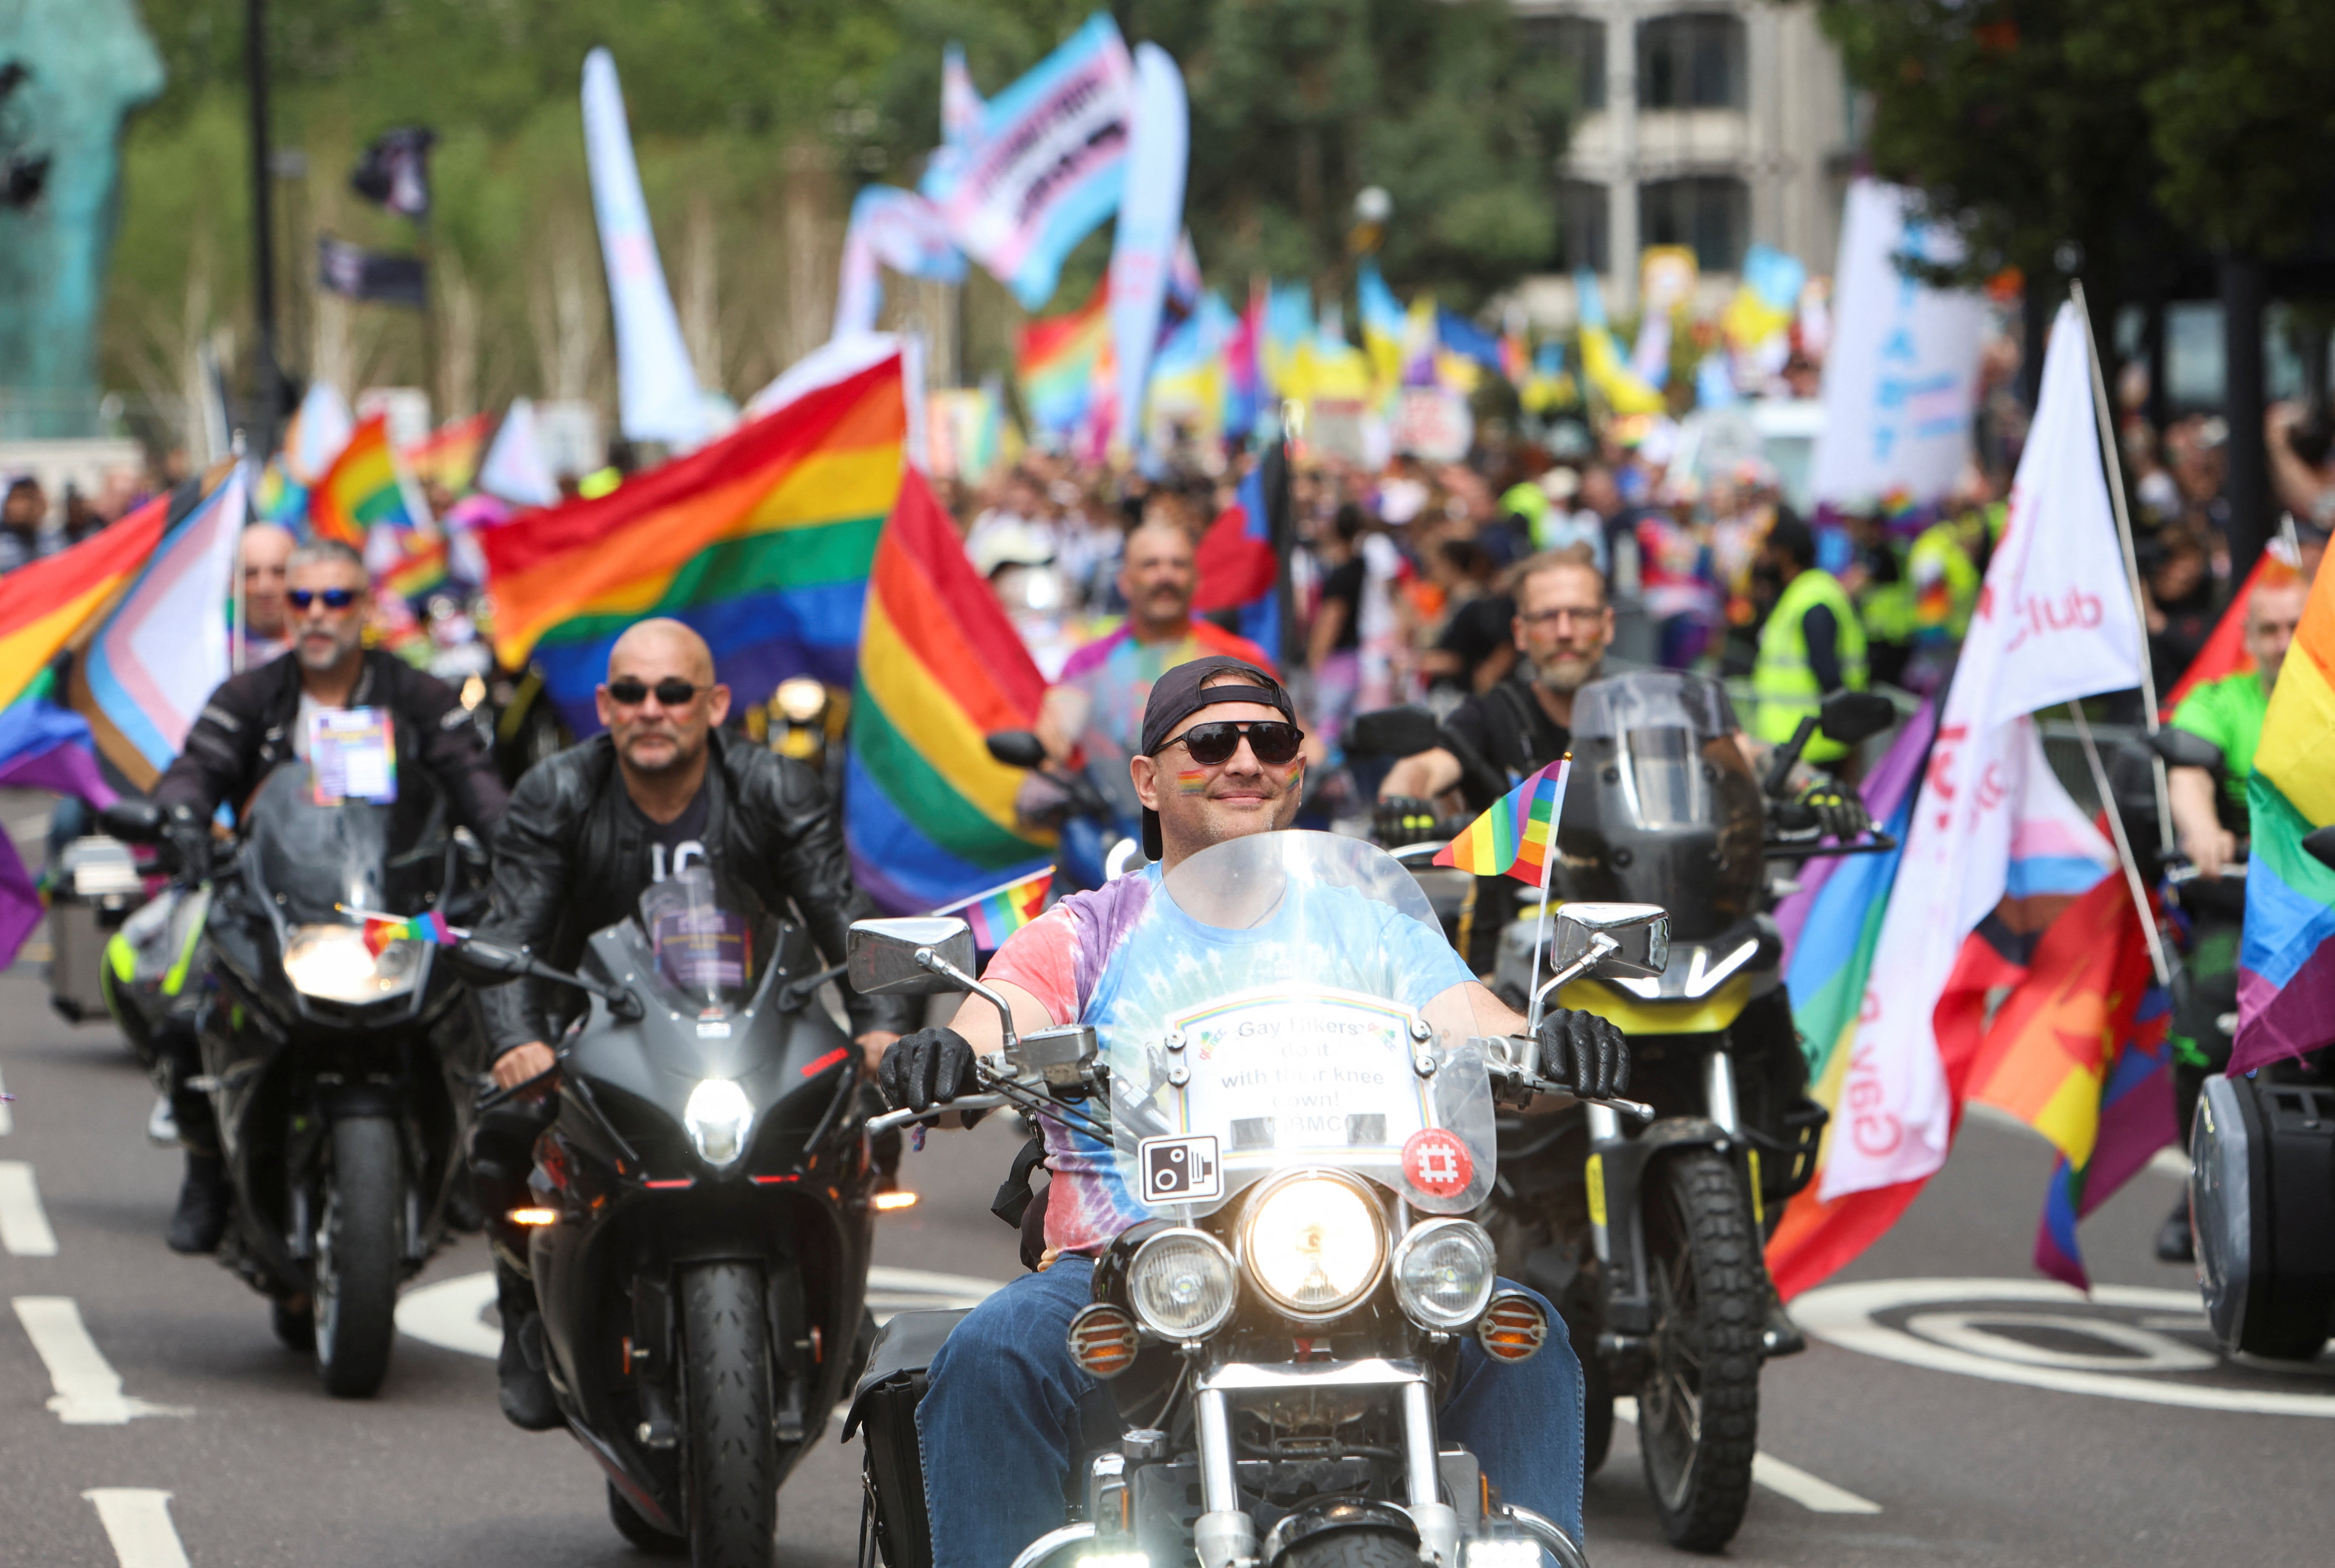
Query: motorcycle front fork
[{"x": 1720, "y": 1105}]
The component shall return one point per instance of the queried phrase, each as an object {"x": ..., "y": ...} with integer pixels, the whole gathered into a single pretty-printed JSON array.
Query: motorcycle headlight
[
  {"x": 1443, "y": 1273},
  {"x": 717, "y": 1117},
  {"x": 1314, "y": 1242},
  {"x": 332, "y": 963},
  {"x": 1182, "y": 1285}
]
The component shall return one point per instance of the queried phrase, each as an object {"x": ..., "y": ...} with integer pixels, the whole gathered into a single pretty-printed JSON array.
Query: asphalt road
[{"x": 1912, "y": 1449}]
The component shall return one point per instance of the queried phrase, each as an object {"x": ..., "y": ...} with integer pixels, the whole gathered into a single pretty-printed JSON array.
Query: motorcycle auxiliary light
[
  {"x": 1183, "y": 1284},
  {"x": 333, "y": 963},
  {"x": 1314, "y": 1242},
  {"x": 1443, "y": 1272},
  {"x": 1513, "y": 1327},
  {"x": 717, "y": 1117},
  {"x": 1103, "y": 1339}
]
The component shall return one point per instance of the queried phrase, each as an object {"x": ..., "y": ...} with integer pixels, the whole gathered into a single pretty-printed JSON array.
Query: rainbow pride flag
[
  {"x": 2078, "y": 1051},
  {"x": 361, "y": 488},
  {"x": 1058, "y": 362},
  {"x": 927, "y": 813},
  {"x": 761, "y": 540},
  {"x": 380, "y": 930},
  {"x": 1005, "y": 909},
  {"x": 155, "y": 660},
  {"x": 45, "y": 605},
  {"x": 1515, "y": 836},
  {"x": 450, "y": 454},
  {"x": 2286, "y": 965}
]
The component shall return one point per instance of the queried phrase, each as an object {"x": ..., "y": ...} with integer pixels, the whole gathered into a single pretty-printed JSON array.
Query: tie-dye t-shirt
[{"x": 1125, "y": 958}]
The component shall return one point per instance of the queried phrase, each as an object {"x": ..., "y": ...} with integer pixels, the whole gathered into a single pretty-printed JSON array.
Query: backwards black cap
[{"x": 1177, "y": 695}]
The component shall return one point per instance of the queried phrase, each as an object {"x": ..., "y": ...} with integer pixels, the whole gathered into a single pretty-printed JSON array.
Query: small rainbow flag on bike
[
  {"x": 1517, "y": 835},
  {"x": 1005, "y": 909},
  {"x": 380, "y": 930}
]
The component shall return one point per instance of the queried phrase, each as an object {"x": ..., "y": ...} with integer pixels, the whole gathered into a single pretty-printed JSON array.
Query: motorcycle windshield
[
  {"x": 318, "y": 860},
  {"x": 709, "y": 938},
  {"x": 1663, "y": 808},
  {"x": 1304, "y": 1010}
]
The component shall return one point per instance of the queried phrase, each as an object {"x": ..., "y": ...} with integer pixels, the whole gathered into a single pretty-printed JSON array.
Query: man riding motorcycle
[
  {"x": 254, "y": 723},
  {"x": 2227, "y": 712},
  {"x": 587, "y": 830},
  {"x": 1218, "y": 759}
]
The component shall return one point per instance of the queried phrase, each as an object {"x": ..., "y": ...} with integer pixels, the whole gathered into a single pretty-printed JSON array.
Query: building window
[
  {"x": 1582, "y": 232},
  {"x": 1691, "y": 60},
  {"x": 1574, "y": 45},
  {"x": 1708, "y": 214}
]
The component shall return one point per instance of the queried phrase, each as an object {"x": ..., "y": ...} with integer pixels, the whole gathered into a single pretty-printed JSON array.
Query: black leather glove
[
  {"x": 1585, "y": 1053},
  {"x": 1403, "y": 819},
  {"x": 189, "y": 840},
  {"x": 928, "y": 1067},
  {"x": 1838, "y": 812}
]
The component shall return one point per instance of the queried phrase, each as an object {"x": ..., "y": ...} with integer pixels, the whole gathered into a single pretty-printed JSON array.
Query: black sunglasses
[
  {"x": 672, "y": 691},
  {"x": 1274, "y": 742},
  {"x": 334, "y": 598}
]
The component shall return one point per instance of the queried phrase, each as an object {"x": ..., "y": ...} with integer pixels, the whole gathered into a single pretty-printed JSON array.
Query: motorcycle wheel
[
  {"x": 1351, "y": 1549},
  {"x": 730, "y": 1462},
  {"x": 639, "y": 1531},
  {"x": 1699, "y": 1406},
  {"x": 360, "y": 1253}
]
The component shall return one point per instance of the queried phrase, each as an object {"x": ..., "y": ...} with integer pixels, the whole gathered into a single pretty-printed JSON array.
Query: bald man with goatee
[{"x": 662, "y": 789}]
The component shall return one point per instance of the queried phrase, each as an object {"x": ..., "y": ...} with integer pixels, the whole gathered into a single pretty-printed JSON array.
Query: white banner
[
  {"x": 1150, "y": 217},
  {"x": 656, "y": 390},
  {"x": 1901, "y": 377},
  {"x": 2055, "y": 622}
]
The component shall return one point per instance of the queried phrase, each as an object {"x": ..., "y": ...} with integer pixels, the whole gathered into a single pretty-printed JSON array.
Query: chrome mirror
[
  {"x": 1639, "y": 934},
  {"x": 909, "y": 956}
]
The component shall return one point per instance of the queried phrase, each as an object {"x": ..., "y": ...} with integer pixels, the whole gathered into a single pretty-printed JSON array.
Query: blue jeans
[{"x": 999, "y": 1421}]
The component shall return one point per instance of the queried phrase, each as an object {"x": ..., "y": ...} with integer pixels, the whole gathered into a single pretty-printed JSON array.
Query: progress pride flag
[{"x": 2055, "y": 622}]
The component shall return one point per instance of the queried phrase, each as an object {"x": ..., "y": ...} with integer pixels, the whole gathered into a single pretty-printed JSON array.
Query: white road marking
[
  {"x": 1814, "y": 1493},
  {"x": 138, "y": 1523},
  {"x": 7, "y": 1122},
  {"x": 88, "y": 1390},
  {"x": 452, "y": 1313},
  {"x": 1843, "y": 1315},
  {"x": 23, "y": 1229}
]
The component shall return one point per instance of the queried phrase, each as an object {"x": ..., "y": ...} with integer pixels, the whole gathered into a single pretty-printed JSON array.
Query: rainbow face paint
[{"x": 1194, "y": 782}]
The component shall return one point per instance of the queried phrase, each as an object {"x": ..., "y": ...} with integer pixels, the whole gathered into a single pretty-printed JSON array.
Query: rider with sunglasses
[
  {"x": 260, "y": 719},
  {"x": 664, "y": 786},
  {"x": 1220, "y": 760}
]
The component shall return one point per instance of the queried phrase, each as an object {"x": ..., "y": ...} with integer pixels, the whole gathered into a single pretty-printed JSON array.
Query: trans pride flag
[
  {"x": 762, "y": 541},
  {"x": 927, "y": 813},
  {"x": 2286, "y": 966},
  {"x": 162, "y": 651}
]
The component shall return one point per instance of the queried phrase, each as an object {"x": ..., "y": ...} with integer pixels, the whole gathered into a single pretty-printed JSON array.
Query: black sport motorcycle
[
  {"x": 1648, "y": 1238},
  {"x": 1274, "y": 1339},
  {"x": 337, "y": 1068},
  {"x": 697, "y": 1213}
]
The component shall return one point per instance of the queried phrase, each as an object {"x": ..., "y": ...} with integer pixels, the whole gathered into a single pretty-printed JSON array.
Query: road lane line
[
  {"x": 138, "y": 1523},
  {"x": 23, "y": 1229},
  {"x": 87, "y": 1389},
  {"x": 8, "y": 1123},
  {"x": 1814, "y": 1493}
]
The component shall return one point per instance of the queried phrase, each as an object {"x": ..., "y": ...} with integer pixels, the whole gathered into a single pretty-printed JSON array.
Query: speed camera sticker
[{"x": 1180, "y": 1170}]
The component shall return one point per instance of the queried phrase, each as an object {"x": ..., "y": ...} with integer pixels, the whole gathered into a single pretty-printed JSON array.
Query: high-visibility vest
[
  {"x": 1943, "y": 581},
  {"x": 1784, "y": 689}
]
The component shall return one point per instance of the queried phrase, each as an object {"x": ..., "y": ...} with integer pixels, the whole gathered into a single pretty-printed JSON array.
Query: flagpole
[
  {"x": 1547, "y": 870},
  {"x": 2123, "y": 847},
  {"x": 2113, "y": 462}
]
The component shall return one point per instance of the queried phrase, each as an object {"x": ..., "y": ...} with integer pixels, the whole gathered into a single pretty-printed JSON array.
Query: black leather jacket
[
  {"x": 244, "y": 731},
  {"x": 571, "y": 857}
]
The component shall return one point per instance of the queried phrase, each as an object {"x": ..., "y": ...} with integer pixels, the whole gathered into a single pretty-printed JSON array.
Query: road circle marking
[
  {"x": 1954, "y": 1335},
  {"x": 452, "y": 1313}
]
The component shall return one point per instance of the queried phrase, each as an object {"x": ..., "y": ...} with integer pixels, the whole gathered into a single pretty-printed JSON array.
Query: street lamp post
[{"x": 268, "y": 390}]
